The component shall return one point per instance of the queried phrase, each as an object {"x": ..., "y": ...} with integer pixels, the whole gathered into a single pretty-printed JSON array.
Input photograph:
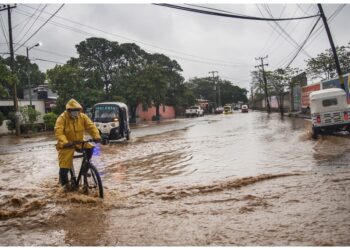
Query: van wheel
[
  {"x": 104, "y": 141},
  {"x": 315, "y": 133}
]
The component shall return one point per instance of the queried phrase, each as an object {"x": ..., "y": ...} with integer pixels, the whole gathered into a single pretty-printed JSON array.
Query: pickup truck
[
  {"x": 194, "y": 111},
  {"x": 329, "y": 111}
]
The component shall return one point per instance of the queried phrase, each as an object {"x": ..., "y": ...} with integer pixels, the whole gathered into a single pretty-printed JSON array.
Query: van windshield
[
  {"x": 106, "y": 113},
  {"x": 330, "y": 102}
]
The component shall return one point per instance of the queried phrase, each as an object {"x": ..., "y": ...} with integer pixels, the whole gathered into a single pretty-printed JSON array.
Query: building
[{"x": 145, "y": 113}]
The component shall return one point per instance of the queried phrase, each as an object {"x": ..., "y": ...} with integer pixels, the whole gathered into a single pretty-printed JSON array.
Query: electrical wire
[
  {"x": 130, "y": 39},
  {"x": 291, "y": 38},
  {"x": 4, "y": 32},
  {"x": 41, "y": 11},
  {"x": 20, "y": 32},
  {"x": 301, "y": 47},
  {"x": 214, "y": 61},
  {"x": 41, "y": 27},
  {"x": 315, "y": 34},
  {"x": 232, "y": 15}
]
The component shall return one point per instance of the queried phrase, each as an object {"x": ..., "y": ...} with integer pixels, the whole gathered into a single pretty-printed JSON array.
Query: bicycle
[{"x": 88, "y": 173}]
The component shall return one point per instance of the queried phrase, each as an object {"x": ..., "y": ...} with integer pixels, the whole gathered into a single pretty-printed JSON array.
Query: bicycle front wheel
[{"x": 93, "y": 182}]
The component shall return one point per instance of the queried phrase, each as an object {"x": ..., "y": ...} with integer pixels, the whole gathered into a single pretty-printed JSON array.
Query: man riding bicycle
[{"x": 69, "y": 128}]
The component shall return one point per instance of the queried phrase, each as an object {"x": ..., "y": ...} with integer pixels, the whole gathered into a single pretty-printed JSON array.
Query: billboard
[{"x": 305, "y": 93}]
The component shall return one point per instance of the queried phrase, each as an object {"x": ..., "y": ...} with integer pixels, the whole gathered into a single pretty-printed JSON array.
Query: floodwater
[{"x": 241, "y": 179}]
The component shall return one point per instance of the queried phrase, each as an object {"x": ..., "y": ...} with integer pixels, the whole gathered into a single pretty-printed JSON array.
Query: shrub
[{"x": 50, "y": 120}]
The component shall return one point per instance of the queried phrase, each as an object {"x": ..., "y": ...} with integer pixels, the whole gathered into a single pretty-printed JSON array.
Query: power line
[
  {"x": 20, "y": 32},
  {"x": 3, "y": 31},
  {"x": 279, "y": 26},
  {"x": 41, "y": 11},
  {"x": 314, "y": 34},
  {"x": 232, "y": 15},
  {"x": 41, "y": 26},
  {"x": 229, "y": 64},
  {"x": 126, "y": 38},
  {"x": 301, "y": 47}
]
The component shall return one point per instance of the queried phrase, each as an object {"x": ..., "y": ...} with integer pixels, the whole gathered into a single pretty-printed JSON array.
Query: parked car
[
  {"x": 244, "y": 108},
  {"x": 329, "y": 111},
  {"x": 219, "y": 110},
  {"x": 194, "y": 111}
]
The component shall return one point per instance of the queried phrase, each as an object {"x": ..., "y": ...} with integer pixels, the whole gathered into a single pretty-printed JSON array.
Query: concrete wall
[
  {"x": 167, "y": 112},
  {"x": 39, "y": 106}
]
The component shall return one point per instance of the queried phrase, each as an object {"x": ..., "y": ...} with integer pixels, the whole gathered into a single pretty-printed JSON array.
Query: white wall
[{"x": 39, "y": 106}]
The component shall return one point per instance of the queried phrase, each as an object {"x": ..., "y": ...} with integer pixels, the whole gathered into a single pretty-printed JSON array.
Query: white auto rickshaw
[
  {"x": 329, "y": 111},
  {"x": 112, "y": 120}
]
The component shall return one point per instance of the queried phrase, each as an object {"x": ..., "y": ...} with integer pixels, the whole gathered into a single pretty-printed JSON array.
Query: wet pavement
[{"x": 241, "y": 179}]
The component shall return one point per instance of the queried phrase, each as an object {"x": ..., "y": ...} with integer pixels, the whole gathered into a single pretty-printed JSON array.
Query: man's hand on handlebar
[{"x": 70, "y": 144}]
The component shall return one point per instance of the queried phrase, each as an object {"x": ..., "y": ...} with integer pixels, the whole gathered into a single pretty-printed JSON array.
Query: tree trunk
[
  {"x": 133, "y": 114},
  {"x": 157, "y": 112},
  {"x": 281, "y": 104}
]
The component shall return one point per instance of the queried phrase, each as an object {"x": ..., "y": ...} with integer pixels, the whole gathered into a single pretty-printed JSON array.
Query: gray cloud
[{"x": 228, "y": 41}]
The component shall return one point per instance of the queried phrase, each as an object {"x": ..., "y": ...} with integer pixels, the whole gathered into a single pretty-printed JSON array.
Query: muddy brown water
[{"x": 241, "y": 179}]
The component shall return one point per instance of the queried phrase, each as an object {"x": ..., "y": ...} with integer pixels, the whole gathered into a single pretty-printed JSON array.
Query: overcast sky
[{"x": 200, "y": 43}]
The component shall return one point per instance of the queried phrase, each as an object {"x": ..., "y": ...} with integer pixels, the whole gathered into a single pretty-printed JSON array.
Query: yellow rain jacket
[{"x": 68, "y": 129}]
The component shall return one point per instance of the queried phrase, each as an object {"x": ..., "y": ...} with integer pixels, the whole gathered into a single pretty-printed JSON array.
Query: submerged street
[{"x": 237, "y": 179}]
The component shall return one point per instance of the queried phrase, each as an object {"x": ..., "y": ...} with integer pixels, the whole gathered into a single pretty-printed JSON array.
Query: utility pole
[
  {"x": 265, "y": 81},
  {"x": 218, "y": 86},
  {"x": 337, "y": 65},
  {"x": 12, "y": 60}
]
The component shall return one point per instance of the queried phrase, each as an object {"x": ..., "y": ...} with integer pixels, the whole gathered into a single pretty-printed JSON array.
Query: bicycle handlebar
[{"x": 73, "y": 143}]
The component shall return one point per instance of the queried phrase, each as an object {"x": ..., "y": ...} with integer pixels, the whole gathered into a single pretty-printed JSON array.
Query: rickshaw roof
[
  {"x": 324, "y": 93},
  {"x": 119, "y": 104}
]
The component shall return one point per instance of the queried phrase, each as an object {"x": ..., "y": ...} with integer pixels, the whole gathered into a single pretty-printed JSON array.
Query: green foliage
[
  {"x": 11, "y": 121},
  {"x": 323, "y": 65},
  {"x": 50, "y": 120},
  {"x": 206, "y": 88},
  {"x": 22, "y": 66},
  {"x": 28, "y": 115}
]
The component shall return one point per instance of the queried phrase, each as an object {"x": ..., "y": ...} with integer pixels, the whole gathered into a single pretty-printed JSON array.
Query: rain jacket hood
[{"x": 73, "y": 104}]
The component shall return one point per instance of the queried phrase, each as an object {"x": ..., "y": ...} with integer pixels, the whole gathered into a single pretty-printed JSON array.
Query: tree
[
  {"x": 28, "y": 117},
  {"x": 50, "y": 120},
  {"x": 100, "y": 61},
  {"x": 69, "y": 83},
  {"x": 280, "y": 80},
  {"x": 22, "y": 66},
  {"x": 5, "y": 86},
  {"x": 323, "y": 66}
]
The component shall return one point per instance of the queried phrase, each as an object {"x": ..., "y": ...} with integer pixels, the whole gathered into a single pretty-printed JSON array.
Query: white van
[{"x": 329, "y": 111}]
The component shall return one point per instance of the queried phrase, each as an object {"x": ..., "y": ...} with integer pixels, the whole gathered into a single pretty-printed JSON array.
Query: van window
[{"x": 330, "y": 102}]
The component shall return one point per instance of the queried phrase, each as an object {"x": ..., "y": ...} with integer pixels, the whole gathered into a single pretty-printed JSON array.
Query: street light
[{"x": 28, "y": 75}]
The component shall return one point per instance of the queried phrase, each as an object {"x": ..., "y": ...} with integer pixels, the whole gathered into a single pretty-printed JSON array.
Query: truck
[
  {"x": 329, "y": 111},
  {"x": 194, "y": 111}
]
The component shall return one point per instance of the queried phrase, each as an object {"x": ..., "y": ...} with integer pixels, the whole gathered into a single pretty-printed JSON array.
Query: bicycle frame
[{"x": 83, "y": 166}]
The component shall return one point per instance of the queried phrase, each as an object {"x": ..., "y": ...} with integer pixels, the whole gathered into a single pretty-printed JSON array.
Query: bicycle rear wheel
[{"x": 93, "y": 182}]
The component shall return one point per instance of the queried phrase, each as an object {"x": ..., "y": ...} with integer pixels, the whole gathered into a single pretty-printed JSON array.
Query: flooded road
[{"x": 241, "y": 179}]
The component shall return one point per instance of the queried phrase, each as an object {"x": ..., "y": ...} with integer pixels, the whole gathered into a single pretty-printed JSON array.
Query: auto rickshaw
[
  {"x": 112, "y": 121},
  {"x": 228, "y": 109}
]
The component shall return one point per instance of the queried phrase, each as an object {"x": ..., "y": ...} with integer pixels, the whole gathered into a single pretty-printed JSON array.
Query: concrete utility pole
[
  {"x": 218, "y": 86},
  {"x": 12, "y": 60},
  {"x": 337, "y": 65},
  {"x": 28, "y": 73},
  {"x": 265, "y": 81}
]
